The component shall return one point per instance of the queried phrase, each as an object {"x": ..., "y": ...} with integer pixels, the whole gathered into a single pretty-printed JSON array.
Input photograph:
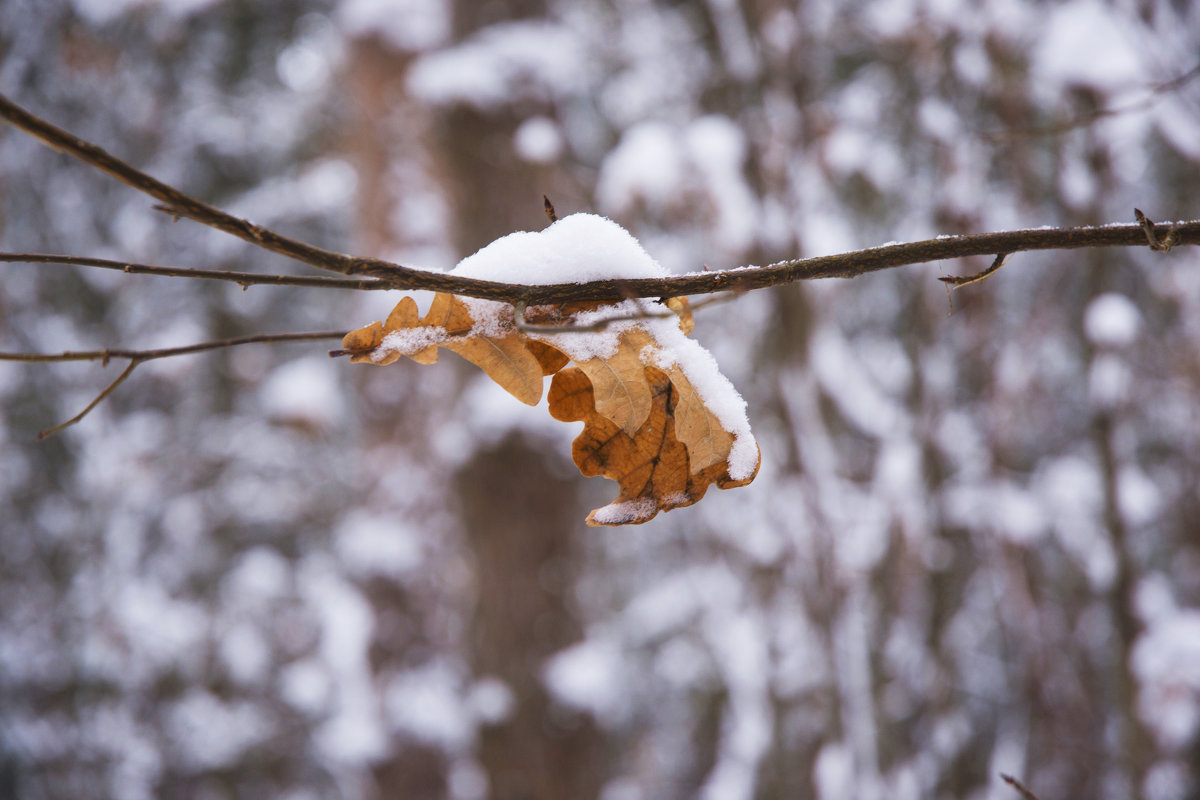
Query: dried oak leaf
[
  {"x": 508, "y": 357},
  {"x": 619, "y": 386},
  {"x": 706, "y": 440},
  {"x": 622, "y": 393},
  {"x": 646, "y": 425},
  {"x": 652, "y": 467}
]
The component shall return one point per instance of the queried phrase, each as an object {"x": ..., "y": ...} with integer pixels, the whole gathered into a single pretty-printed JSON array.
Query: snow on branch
[{"x": 396, "y": 276}]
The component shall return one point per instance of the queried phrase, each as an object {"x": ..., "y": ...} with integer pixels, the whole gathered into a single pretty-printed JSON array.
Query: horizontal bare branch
[
  {"x": 106, "y": 355},
  {"x": 136, "y": 357},
  {"x": 244, "y": 279},
  {"x": 842, "y": 265},
  {"x": 852, "y": 264}
]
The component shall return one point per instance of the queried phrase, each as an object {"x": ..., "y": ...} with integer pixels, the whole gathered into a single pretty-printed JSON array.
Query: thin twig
[
  {"x": 549, "y": 208},
  {"x": 842, "y": 265},
  {"x": 136, "y": 357},
  {"x": 959, "y": 281},
  {"x": 1055, "y": 129},
  {"x": 525, "y": 326},
  {"x": 95, "y": 402},
  {"x": 180, "y": 204},
  {"x": 244, "y": 279},
  {"x": 167, "y": 352},
  {"x": 1021, "y": 790}
]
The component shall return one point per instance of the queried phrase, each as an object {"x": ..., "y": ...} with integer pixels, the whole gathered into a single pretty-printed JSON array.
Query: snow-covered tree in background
[{"x": 972, "y": 547}]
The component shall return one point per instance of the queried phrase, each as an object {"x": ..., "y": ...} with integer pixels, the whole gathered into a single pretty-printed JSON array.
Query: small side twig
[
  {"x": 95, "y": 402},
  {"x": 549, "y": 207},
  {"x": 1021, "y": 790},
  {"x": 137, "y": 357},
  {"x": 1159, "y": 244},
  {"x": 959, "y": 281}
]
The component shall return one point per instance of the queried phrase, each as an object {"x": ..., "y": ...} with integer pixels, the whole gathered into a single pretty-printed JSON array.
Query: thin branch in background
[
  {"x": 137, "y": 357},
  {"x": 1021, "y": 790},
  {"x": 243, "y": 279},
  {"x": 1153, "y": 94}
]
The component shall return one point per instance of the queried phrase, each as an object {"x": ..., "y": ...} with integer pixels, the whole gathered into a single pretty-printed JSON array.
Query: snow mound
[{"x": 575, "y": 249}]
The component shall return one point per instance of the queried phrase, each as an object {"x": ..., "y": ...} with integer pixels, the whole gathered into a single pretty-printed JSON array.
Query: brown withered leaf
[
  {"x": 683, "y": 309},
  {"x": 651, "y": 467},
  {"x": 619, "y": 383},
  {"x": 551, "y": 358},
  {"x": 406, "y": 315},
  {"x": 700, "y": 432},
  {"x": 507, "y": 359},
  {"x": 362, "y": 342},
  {"x": 645, "y": 426}
]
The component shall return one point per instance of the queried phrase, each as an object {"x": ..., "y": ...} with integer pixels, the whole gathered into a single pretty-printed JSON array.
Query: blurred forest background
[{"x": 973, "y": 547}]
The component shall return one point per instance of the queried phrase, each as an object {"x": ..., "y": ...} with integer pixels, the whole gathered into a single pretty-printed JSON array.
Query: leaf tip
[{"x": 624, "y": 512}]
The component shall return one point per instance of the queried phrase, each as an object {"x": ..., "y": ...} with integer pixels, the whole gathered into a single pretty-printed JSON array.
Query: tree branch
[
  {"x": 176, "y": 201},
  {"x": 842, "y": 265},
  {"x": 383, "y": 274},
  {"x": 244, "y": 279},
  {"x": 526, "y": 326},
  {"x": 959, "y": 281},
  {"x": 104, "y": 356},
  {"x": 850, "y": 265},
  {"x": 136, "y": 357},
  {"x": 1020, "y": 787},
  {"x": 1153, "y": 93},
  {"x": 48, "y": 432}
]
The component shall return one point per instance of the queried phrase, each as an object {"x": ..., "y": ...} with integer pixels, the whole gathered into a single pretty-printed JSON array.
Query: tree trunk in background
[
  {"x": 520, "y": 514},
  {"x": 521, "y": 521},
  {"x": 519, "y": 510}
]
